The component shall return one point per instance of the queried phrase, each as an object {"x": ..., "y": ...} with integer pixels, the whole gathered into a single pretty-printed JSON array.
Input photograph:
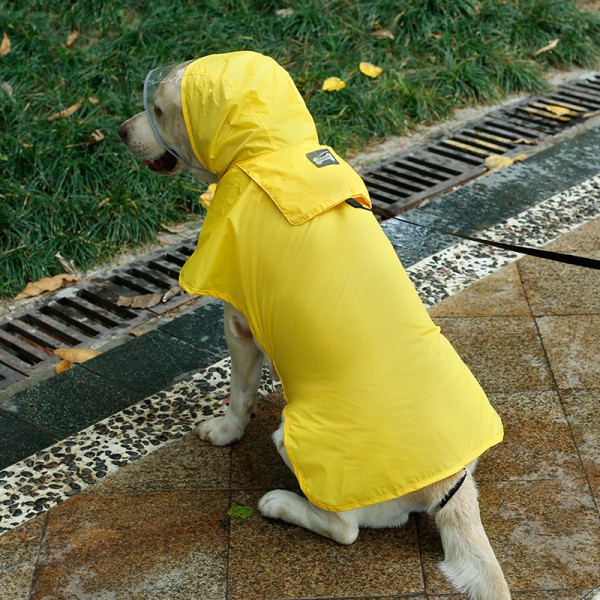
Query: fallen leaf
[
  {"x": 72, "y": 37},
  {"x": 93, "y": 100},
  {"x": 284, "y": 12},
  {"x": 65, "y": 113},
  {"x": 370, "y": 70},
  {"x": 593, "y": 113},
  {"x": 496, "y": 162},
  {"x": 171, "y": 293},
  {"x": 333, "y": 84},
  {"x": 383, "y": 33},
  {"x": 76, "y": 355},
  {"x": 46, "y": 284},
  {"x": 436, "y": 35},
  {"x": 103, "y": 202},
  {"x": 97, "y": 136},
  {"x": 141, "y": 301},
  {"x": 525, "y": 141},
  {"x": 62, "y": 366},
  {"x": 5, "y": 45},
  {"x": 7, "y": 88},
  {"x": 558, "y": 110},
  {"x": 238, "y": 510},
  {"x": 546, "y": 48},
  {"x": 207, "y": 197}
]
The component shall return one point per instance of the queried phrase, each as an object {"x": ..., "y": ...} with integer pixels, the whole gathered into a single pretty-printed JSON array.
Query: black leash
[{"x": 570, "y": 259}]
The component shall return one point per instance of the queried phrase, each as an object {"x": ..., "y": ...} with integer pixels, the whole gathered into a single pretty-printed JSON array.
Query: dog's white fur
[{"x": 469, "y": 563}]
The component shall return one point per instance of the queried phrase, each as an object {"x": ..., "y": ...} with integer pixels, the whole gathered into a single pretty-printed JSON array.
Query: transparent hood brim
[{"x": 152, "y": 82}]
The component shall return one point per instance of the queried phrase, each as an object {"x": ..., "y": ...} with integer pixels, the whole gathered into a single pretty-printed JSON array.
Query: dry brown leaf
[
  {"x": 141, "y": 301},
  {"x": 7, "y": 88},
  {"x": 284, "y": 12},
  {"x": 62, "y": 366},
  {"x": 93, "y": 100},
  {"x": 171, "y": 293},
  {"x": 97, "y": 136},
  {"x": 547, "y": 47},
  {"x": 525, "y": 141},
  {"x": 5, "y": 45},
  {"x": 593, "y": 113},
  {"x": 383, "y": 34},
  {"x": 65, "y": 113},
  {"x": 72, "y": 37},
  {"x": 76, "y": 355},
  {"x": 46, "y": 284}
]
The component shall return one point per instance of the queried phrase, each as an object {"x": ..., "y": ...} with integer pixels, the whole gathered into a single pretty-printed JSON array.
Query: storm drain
[
  {"x": 407, "y": 179},
  {"x": 90, "y": 313}
]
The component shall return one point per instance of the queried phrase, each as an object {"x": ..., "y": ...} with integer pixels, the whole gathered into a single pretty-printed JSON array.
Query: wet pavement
[{"x": 115, "y": 498}]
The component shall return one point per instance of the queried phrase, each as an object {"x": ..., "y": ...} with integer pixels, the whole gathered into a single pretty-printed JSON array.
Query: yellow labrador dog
[{"x": 210, "y": 130}]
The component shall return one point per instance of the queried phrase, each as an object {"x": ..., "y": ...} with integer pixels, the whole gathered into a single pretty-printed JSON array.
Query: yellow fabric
[{"x": 378, "y": 402}]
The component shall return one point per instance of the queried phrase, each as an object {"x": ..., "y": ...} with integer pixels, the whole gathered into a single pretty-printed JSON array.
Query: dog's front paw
[
  {"x": 277, "y": 504},
  {"x": 219, "y": 432}
]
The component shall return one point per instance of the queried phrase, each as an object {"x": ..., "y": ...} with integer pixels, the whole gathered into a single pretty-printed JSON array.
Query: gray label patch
[{"x": 322, "y": 158}]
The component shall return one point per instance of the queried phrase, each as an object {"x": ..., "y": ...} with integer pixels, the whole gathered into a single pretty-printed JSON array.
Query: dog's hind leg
[
  {"x": 246, "y": 372},
  {"x": 469, "y": 561},
  {"x": 288, "y": 506}
]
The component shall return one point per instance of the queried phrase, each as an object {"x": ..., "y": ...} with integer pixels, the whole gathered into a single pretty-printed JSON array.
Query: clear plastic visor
[{"x": 152, "y": 83}]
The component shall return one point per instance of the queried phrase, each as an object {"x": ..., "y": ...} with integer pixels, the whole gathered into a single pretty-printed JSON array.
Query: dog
[{"x": 370, "y": 438}]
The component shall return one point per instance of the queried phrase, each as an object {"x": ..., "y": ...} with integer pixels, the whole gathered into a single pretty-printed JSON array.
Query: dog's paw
[
  {"x": 219, "y": 432},
  {"x": 277, "y": 504}
]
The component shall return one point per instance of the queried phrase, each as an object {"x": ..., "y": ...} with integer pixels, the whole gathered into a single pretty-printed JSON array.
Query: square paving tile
[
  {"x": 504, "y": 353},
  {"x": 545, "y": 534},
  {"x": 581, "y": 240},
  {"x": 272, "y": 560},
  {"x": 557, "y": 289},
  {"x": 498, "y": 294},
  {"x": 538, "y": 443},
  {"x": 135, "y": 546},
  {"x": 18, "y": 554},
  {"x": 571, "y": 343},
  {"x": 582, "y": 408}
]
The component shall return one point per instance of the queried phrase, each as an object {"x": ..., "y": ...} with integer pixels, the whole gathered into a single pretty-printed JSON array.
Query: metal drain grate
[
  {"x": 409, "y": 178},
  {"x": 87, "y": 315}
]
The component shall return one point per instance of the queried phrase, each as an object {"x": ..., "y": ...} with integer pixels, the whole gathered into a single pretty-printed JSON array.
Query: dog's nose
[{"x": 122, "y": 131}]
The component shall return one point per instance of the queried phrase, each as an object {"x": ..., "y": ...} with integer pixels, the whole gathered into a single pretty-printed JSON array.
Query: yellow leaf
[
  {"x": 5, "y": 45},
  {"x": 558, "y": 110},
  {"x": 207, "y": 197},
  {"x": 547, "y": 47},
  {"x": 333, "y": 84},
  {"x": 72, "y": 37},
  {"x": 76, "y": 355},
  {"x": 46, "y": 284},
  {"x": 65, "y": 113},
  {"x": 498, "y": 161},
  {"x": 62, "y": 366},
  {"x": 369, "y": 69}
]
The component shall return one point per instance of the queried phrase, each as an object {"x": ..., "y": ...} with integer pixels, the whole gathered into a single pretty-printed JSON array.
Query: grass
[{"x": 89, "y": 201}]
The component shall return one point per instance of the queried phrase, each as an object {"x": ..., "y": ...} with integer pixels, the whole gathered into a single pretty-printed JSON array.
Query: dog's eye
[{"x": 157, "y": 111}]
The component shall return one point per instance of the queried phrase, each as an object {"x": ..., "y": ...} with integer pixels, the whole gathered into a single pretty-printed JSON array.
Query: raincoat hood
[{"x": 241, "y": 105}]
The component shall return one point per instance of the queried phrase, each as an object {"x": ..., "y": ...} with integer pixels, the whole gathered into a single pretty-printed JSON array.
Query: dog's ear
[{"x": 239, "y": 328}]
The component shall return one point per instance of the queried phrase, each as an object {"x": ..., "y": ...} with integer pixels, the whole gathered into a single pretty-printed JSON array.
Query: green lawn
[{"x": 62, "y": 190}]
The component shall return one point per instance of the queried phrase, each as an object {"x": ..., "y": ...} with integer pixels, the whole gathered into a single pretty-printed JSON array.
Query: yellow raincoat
[{"x": 378, "y": 402}]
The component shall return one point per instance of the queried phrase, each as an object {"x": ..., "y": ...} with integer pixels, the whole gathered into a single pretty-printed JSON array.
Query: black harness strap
[
  {"x": 451, "y": 492},
  {"x": 570, "y": 259}
]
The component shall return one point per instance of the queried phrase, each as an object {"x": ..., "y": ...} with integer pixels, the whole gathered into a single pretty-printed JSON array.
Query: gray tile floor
[{"x": 159, "y": 528}]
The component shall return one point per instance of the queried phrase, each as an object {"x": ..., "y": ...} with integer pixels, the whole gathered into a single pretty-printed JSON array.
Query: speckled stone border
[
  {"x": 49, "y": 477},
  {"x": 453, "y": 269}
]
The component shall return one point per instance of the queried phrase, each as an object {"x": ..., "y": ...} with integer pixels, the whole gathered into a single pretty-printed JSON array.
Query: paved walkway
[{"x": 157, "y": 526}]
